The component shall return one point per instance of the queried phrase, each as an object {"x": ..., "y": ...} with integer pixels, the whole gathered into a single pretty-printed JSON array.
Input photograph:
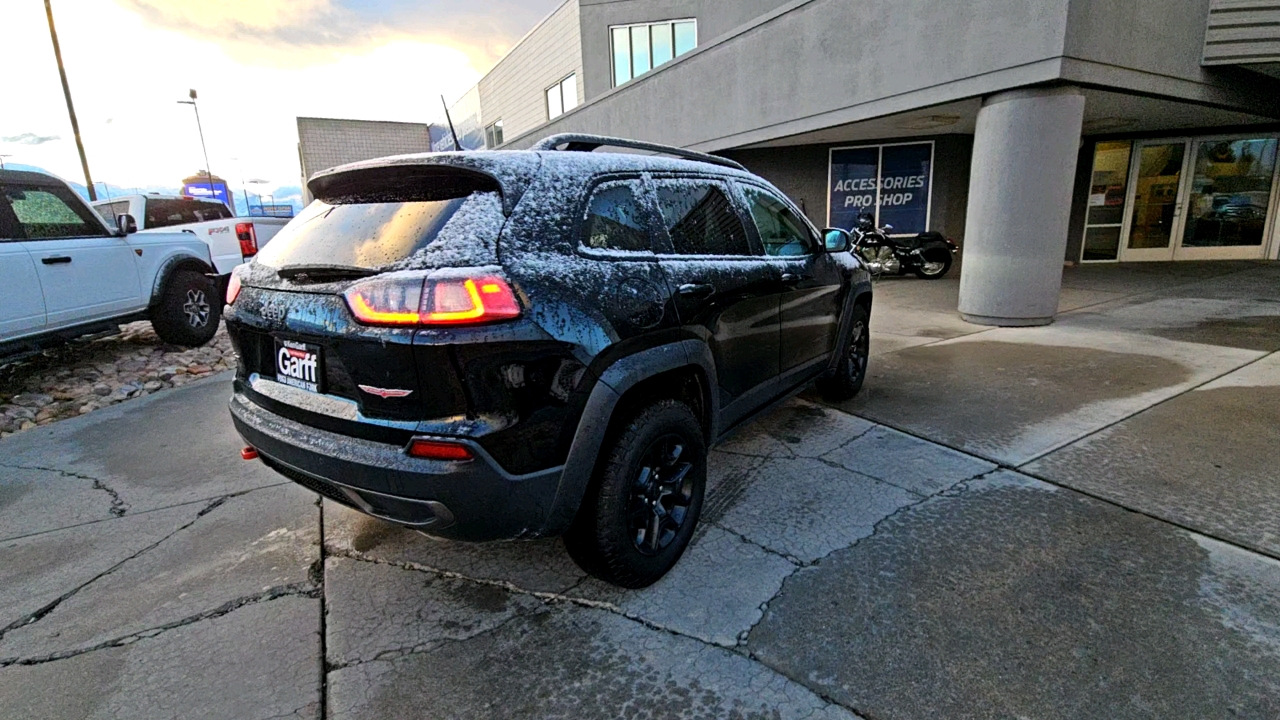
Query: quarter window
[
  {"x": 49, "y": 212},
  {"x": 781, "y": 232},
  {"x": 700, "y": 219},
  {"x": 637, "y": 49},
  {"x": 111, "y": 210},
  {"x": 616, "y": 220},
  {"x": 562, "y": 97}
]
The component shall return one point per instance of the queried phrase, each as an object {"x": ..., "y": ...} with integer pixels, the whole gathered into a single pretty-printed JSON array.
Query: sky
[{"x": 257, "y": 65}]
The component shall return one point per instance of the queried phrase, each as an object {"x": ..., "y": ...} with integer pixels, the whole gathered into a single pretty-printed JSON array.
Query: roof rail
[{"x": 576, "y": 142}]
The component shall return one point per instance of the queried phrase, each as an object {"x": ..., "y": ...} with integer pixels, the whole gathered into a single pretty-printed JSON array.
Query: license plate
[{"x": 298, "y": 365}]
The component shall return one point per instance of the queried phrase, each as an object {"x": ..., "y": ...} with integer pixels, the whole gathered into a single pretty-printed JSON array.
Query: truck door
[
  {"x": 85, "y": 273},
  {"x": 22, "y": 311}
]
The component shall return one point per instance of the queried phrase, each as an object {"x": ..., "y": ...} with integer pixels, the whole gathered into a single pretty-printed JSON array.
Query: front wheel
[
  {"x": 845, "y": 380},
  {"x": 934, "y": 264},
  {"x": 188, "y": 312},
  {"x": 638, "y": 518}
]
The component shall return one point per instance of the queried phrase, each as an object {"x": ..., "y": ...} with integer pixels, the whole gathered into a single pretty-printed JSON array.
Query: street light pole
[
  {"x": 71, "y": 109},
  {"x": 192, "y": 102}
]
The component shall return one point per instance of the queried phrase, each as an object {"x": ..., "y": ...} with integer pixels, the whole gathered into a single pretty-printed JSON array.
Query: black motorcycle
[{"x": 928, "y": 254}]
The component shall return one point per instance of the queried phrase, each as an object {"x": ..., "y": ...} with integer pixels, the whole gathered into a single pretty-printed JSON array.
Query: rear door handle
[
  {"x": 56, "y": 260},
  {"x": 698, "y": 290}
]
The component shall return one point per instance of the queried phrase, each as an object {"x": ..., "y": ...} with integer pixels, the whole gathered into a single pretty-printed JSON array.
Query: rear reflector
[
  {"x": 440, "y": 450},
  {"x": 248, "y": 238},
  {"x": 233, "y": 288},
  {"x": 449, "y": 301}
]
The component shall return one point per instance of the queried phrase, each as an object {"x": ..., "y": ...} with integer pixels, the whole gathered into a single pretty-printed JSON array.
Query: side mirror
[
  {"x": 126, "y": 223},
  {"x": 836, "y": 240}
]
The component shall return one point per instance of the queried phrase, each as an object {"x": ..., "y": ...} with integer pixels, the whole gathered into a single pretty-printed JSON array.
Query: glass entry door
[
  {"x": 1155, "y": 215},
  {"x": 1229, "y": 198}
]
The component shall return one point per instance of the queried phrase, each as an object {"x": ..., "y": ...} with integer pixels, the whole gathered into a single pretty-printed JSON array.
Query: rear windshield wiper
[{"x": 324, "y": 272}]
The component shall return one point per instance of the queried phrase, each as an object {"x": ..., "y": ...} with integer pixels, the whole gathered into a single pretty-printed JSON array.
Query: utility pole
[
  {"x": 207, "y": 170},
  {"x": 71, "y": 109}
]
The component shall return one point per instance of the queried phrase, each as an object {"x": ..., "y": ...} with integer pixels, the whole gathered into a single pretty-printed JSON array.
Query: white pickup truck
[
  {"x": 231, "y": 240},
  {"x": 64, "y": 272}
]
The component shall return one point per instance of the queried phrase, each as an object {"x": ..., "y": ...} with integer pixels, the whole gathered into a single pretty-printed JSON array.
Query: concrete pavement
[{"x": 844, "y": 567}]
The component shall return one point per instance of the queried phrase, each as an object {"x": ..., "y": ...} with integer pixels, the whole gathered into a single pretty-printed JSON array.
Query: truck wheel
[
  {"x": 846, "y": 379},
  {"x": 188, "y": 311},
  {"x": 637, "y": 519}
]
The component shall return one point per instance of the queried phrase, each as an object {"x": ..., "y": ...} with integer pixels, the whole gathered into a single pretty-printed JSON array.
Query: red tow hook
[{"x": 248, "y": 452}]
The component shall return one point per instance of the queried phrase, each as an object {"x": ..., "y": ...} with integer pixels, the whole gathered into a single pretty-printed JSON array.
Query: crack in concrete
[
  {"x": 317, "y": 576},
  {"x": 789, "y": 558},
  {"x": 49, "y": 607},
  {"x": 118, "y": 506},
  {"x": 409, "y": 651},
  {"x": 549, "y": 598},
  {"x": 137, "y": 513},
  {"x": 544, "y": 596},
  {"x": 291, "y": 590}
]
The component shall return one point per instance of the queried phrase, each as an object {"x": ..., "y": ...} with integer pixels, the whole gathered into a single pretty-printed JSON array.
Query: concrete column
[{"x": 1024, "y": 164}]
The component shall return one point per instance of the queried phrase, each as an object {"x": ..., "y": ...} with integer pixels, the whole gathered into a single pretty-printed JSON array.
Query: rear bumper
[{"x": 475, "y": 501}]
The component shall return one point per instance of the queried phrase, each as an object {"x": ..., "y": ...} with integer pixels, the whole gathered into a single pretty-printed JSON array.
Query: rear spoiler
[{"x": 424, "y": 178}]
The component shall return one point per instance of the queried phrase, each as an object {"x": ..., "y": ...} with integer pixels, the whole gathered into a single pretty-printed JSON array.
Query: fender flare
[
  {"x": 593, "y": 424},
  {"x": 172, "y": 265},
  {"x": 861, "y": 287}
]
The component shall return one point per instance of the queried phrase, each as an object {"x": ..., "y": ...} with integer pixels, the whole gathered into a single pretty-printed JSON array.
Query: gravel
[{"x": 81, "y": 377}]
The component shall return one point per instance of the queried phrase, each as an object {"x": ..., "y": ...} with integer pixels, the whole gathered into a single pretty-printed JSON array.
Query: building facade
[{"x": 1032, "y": 131}]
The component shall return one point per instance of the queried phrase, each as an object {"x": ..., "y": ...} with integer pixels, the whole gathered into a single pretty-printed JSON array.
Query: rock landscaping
[{"x": 81, "y": 377}]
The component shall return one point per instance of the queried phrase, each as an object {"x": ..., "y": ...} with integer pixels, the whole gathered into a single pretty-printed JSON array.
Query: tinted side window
[
  {"x": 164, "y": 213},
  {"x": 781, "y": 232},
  {"x": 47, "y": 212},
  {"x": 616, "y": 219},
  {"x": 700, "y": 219}
]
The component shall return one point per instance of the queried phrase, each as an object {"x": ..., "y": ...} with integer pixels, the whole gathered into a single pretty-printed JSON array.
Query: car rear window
[
  {"x": 163, "y": 212},
  {"x": 456, "y": 232}
]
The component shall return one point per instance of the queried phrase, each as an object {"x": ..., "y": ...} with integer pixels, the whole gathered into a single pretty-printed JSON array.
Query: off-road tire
[
  {"x": 846, "y": 378},
  {"x": 601, "y": 540},
  {"x": 189, "y": 310},
  {"x": 937, "y": 254}
]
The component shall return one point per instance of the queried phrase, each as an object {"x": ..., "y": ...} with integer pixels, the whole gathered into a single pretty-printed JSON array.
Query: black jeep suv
[{"x": 518, "y": 344}]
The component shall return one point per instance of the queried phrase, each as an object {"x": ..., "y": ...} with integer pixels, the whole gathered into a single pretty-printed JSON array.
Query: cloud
[
  {"x": 295, "y": 33},
  {"x": 30, "y": 139}
]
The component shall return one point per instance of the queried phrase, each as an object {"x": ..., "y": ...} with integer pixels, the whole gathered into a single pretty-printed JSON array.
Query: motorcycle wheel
[{"x": 935, "y": 264}]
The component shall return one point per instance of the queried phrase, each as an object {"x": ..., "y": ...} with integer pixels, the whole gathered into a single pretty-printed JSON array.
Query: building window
[
  {"x": 891, "y": 182},
  {"x": 637, "y": 49},
  {"x": 562, "y": 97},
  {"x": 493, "y": 135}
]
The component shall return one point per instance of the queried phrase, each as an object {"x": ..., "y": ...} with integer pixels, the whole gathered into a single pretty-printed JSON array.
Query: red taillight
[
  {"x": 248, "y": 238},
  {"x": 233, "y": 288},
  {"x": 440, "y": 450},
  {"x": 448, "y": 301}
]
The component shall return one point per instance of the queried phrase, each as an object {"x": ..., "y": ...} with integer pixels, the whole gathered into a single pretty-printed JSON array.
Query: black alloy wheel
[
  {"x": 845, "y": 379},
  {"x": 660, "y": 496},
  {"x": 642, "y": 507}
]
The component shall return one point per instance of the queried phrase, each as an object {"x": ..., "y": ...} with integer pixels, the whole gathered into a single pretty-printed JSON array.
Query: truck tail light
[
  {"x": 248, "y": 238},
  {"x": 233, "y": 288},
  {"x": 446, "y": 301}
]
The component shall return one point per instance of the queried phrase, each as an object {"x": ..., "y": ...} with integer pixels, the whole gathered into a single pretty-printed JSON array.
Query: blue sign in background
[
  {"x": 853, "y": 185},
  {"x": 902, "y": 182},
  {"x": 217, "y": 191}
]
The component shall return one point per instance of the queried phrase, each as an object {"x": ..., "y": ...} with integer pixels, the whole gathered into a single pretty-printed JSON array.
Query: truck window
[
  {"x": 109, "y": 211},
  {"x": 163, "y": 212}
]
